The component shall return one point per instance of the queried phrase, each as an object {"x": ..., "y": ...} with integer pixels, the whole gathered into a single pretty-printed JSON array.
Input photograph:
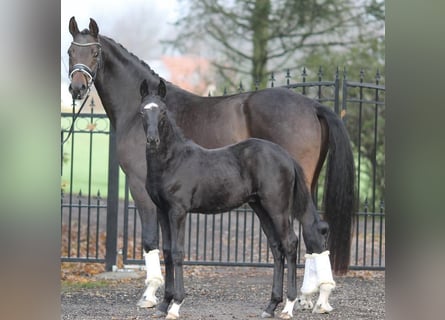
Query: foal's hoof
[
  {"x": 305, "y": 304},
  {"x": 158, "y": 314},
  {"x": 265, "y": 315},
  {"x": 146, "y": 303},
  {"x": 319, "y": 308}
]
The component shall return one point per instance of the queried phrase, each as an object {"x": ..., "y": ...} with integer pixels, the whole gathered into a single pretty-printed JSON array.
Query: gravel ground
[{"x": 218, "y": 293}]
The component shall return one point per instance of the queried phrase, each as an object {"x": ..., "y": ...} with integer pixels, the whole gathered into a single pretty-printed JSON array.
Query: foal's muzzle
[{"x": 153, "y": 142}]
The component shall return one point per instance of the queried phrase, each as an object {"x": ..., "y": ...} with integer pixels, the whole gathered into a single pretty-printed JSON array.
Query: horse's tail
[{"x": 339, "y": 193}]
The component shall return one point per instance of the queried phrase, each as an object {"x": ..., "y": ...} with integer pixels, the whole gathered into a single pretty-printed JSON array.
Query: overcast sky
[{"x": 110, "y": 16}]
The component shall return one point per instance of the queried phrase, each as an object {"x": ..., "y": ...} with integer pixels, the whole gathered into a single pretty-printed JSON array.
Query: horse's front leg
[
  {"x": 177, "y": 228},
  {"x": 150, "y": 243}
]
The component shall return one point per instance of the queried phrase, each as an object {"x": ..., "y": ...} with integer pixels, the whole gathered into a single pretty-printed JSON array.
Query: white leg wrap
[
  {"x": 173, "y": 313},
  {"x": 322, "y": 305},
  {"x": 325, "y": 281},
  {"x": 288, "y": 309},
  {"x": 310, "y": 284},
  {"x": 153, "y": 281}
]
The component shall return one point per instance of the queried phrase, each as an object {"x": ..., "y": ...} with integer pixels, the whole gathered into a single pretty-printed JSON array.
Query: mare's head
[
  {"x": 153, "y": 111},
  {"x": 84, "y": 58}
]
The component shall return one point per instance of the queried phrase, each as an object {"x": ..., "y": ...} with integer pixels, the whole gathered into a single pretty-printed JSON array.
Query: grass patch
[
  {"x": 69, "y": 285},
  {"x": 85, "y": 164}
]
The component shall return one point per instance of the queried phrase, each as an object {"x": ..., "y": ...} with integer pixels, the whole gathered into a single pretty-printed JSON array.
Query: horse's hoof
[
  {"x": 158, "y": 314},
  {"x": 322, "y": 308},
  {"x": 285, "y": 315},
  {"x": 265, "y": 315},
  {"x": 172, "y": 316},
  {"x": 145, "y": 303},
  {"x": 305, "y": 304}
]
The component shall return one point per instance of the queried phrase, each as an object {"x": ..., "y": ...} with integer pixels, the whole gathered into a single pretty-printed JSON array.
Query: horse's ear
[
  {"x": 94, "y": 29},
  {"x": 74, "y": 30},
  {"x": 162, "y": 90},
  {"x": 143, "y": 89}
]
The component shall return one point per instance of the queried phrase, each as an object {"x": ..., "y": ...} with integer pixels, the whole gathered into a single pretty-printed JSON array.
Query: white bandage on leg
[
  {"x": 325, "y": 282},
  {"x": 287, "y": 312},
  {"x": 310, "y": 284},
  {"x": 153, "y": 281},
  {"x": 173, "y": 313},
  {"x": 153, "y": 266}
]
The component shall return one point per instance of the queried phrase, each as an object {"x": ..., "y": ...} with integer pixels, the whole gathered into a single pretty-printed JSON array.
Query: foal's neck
[{"x": 171, "y": 137}]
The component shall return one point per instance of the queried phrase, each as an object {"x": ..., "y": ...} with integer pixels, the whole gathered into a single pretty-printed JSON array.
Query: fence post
[{"x": 112, "y": 203}]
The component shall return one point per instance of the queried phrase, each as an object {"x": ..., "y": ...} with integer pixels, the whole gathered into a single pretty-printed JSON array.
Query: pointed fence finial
[
  {"x": 320, "y": 73},
  {"x": 287, "y": 76},
  {"x": 240, "y": 89},
  {"x": 304, "y": 74}
]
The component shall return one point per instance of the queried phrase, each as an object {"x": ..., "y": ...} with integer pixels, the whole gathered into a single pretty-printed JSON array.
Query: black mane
[{"x": 142, "y": 62}]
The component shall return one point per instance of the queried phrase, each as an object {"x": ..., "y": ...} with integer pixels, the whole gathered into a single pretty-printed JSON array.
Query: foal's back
[{"x": 224, "y": 178}]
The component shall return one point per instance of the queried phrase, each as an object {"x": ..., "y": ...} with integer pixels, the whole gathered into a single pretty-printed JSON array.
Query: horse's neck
[{"x": 118, "y": 81}]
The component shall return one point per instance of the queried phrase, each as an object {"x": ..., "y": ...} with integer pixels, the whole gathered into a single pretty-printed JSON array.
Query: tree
[{"x": 250, "y": 38}]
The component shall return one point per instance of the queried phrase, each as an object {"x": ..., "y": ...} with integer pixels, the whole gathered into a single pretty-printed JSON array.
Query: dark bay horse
[
  {"x": 184, "y": 177},
  {"x": 309, "y": 131}
]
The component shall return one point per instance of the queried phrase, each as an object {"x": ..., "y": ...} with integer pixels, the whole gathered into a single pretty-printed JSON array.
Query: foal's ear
[
  {"x": 94, "y": 29},
  {"x": 74, "y": 30},
  {"x": 143, "y": 89},
  {"x": 162, "y": 89}
]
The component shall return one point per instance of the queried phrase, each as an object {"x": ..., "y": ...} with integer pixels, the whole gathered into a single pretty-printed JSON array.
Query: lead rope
[{"x": 75, "y": 117}]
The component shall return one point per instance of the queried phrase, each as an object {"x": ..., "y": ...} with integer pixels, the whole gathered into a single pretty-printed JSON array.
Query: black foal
[{"x": 183, "y": 177}]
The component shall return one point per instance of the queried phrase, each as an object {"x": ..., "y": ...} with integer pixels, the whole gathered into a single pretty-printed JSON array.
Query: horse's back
[{"x": 288, "y": 119}]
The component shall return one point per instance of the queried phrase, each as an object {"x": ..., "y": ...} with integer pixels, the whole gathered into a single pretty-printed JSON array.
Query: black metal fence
[{"x": 100, "y": 222}]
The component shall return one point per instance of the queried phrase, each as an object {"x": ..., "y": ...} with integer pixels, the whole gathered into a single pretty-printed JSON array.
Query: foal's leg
[
  {"x": 169, "y": 272},
  {"x": 177, "y": 228},
  {"x": 290, "y": 247},
  {"x": 278, "y": 270}
]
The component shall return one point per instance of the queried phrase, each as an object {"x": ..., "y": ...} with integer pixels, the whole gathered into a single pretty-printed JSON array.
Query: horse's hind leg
[
  {"x": 278, "y": 270},
  {"x": 318, "y": 273}
]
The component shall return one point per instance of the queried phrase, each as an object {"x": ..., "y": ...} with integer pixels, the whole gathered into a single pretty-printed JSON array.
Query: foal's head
[{"x": 153, "y": 111}]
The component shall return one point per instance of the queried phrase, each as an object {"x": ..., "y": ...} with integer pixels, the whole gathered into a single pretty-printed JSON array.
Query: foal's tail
[
  {"x": 301, "y": 195},
  {"x": 339, "y": 190}
]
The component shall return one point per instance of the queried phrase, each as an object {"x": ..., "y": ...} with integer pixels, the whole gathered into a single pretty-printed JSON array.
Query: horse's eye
[{"x": 95, "y": 54}]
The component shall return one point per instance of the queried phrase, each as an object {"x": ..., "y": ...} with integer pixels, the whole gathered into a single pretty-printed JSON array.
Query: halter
[
  {"x": 91, "y": 75},
  {"x": 80, "y": 67}
]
